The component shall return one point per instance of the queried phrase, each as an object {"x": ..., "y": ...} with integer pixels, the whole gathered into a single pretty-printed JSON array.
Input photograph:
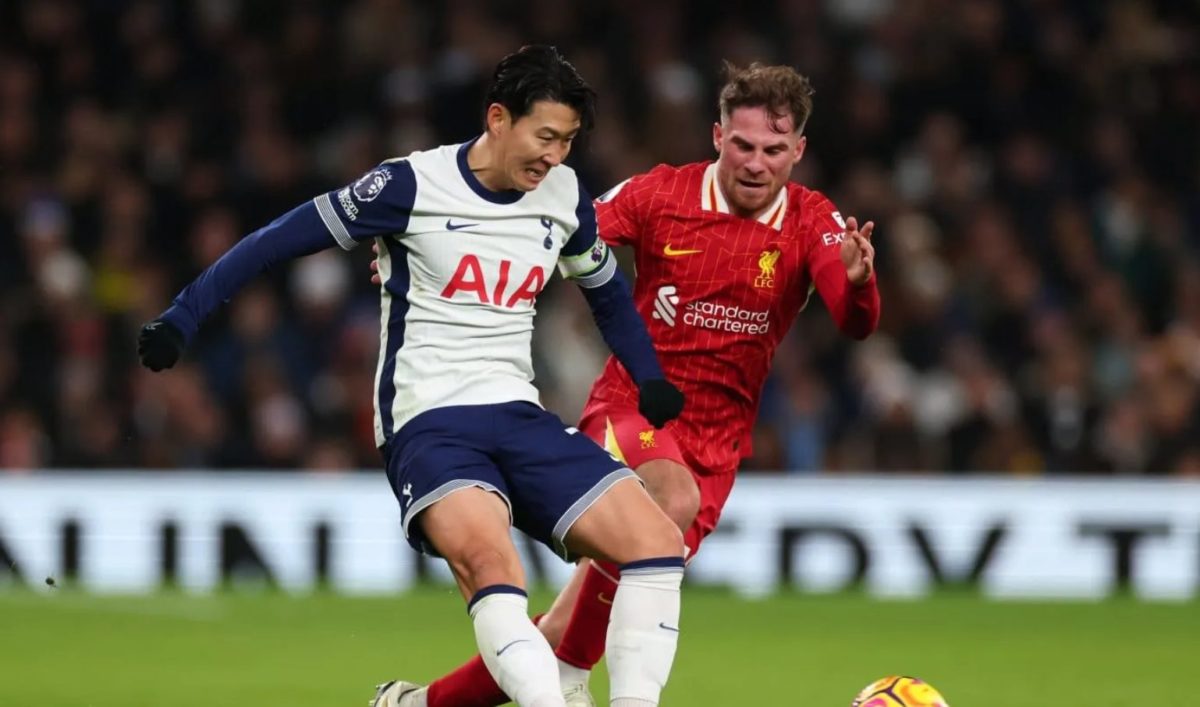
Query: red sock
[
  {"x": 469, "y": 685},
  {"x": 582, "y": 643}
]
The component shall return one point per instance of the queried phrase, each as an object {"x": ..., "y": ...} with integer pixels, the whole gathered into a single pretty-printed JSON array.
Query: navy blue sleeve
[
  {"x": 298, "y": 232},
  {"x": 379, "y": 203},
  {"x": 588, "y": 261},
  {"x": 623, "y": 328}
]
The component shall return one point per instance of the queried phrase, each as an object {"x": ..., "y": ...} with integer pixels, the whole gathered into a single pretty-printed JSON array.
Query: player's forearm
[
  {"x": 623, "y": 329},
  {"x": 854, "y": 308},
  {"x": 298, "y": 232}
]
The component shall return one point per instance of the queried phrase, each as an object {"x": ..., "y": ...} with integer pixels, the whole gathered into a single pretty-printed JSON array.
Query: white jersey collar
[{"x": 713, "y": 199}]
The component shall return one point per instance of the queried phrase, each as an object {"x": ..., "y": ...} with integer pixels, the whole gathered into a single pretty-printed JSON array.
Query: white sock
[
  {"x": 515, "y": 652},
  {"x": 570, "y": 676},
  {"x": 643, "y": 631}
]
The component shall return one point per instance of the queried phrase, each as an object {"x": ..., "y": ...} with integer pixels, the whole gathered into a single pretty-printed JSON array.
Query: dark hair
[
  {"x": 780, "y": 89},
  {"x": 537, "y": 72}
]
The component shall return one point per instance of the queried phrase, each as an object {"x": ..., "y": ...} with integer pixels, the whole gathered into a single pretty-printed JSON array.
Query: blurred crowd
[{"x": 1033, "y": 168}]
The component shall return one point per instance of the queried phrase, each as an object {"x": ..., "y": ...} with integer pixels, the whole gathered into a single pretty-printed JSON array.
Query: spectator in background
[{"x": 1036, "y": 165}]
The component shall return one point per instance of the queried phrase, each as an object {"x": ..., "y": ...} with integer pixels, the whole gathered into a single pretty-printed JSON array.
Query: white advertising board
[{"x": 132, "y": 532}]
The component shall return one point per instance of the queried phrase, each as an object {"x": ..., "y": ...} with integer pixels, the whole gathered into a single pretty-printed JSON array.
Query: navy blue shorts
[{"x": 547, "y": 473}]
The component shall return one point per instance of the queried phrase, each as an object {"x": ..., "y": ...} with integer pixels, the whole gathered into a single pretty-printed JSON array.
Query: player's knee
[
  {"x": 674, "y": 490},
  {"x": 662, "y": 538},
  {"x": 483, "y": 566},
  {"x": 681, "y": 503}
]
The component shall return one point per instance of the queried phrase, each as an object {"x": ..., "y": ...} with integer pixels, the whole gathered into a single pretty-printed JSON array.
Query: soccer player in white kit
[{"x": 467, "y": 236}]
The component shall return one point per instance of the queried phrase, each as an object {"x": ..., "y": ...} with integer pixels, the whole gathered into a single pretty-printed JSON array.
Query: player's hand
[
  {"x": 375, "y": 278},
  {"x": 160, "y": 344},
  {"x": 659, "y": 401},
  {"x": 858, "y": 255}
]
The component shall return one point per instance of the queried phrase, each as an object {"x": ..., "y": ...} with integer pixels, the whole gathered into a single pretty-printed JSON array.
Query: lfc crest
[{"x": 766, "y": 266}]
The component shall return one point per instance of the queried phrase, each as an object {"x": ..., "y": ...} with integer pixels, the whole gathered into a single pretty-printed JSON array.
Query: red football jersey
[{"x": 719, "y": 292}]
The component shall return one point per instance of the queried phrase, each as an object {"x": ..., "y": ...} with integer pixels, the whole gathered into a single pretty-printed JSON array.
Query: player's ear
[
  {"x": 717, "y": 137},
  {"x": 496, "y": 118},
  {"x": 800, "y": 145}
]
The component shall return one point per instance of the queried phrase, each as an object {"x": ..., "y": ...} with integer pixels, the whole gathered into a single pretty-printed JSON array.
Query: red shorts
[{"x": 628, "y": 436}]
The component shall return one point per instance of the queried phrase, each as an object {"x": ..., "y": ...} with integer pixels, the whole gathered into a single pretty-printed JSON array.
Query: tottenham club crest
[{"x": 371, "y": 184}]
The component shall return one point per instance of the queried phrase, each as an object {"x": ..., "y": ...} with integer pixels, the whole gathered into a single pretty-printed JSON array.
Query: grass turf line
[{"x": 69, "y": 649}]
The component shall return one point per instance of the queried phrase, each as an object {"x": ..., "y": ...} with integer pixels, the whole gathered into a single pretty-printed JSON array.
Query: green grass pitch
[{"x": 64, "y": 648}]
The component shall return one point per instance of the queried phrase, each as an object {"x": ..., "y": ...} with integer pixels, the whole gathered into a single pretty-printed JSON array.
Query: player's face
[
  {"x": 757, "y": 154},
  {"x": 536, "y": 142}
]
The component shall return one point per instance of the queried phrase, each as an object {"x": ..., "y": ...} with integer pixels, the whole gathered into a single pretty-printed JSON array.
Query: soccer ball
[{"x": 899, "y": 691}]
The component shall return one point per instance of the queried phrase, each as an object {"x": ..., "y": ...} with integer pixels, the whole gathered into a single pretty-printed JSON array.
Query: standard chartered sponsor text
[{"x": 727, "y": 318}]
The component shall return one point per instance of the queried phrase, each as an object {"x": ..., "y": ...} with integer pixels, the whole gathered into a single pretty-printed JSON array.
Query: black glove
[
  {"x": 160, "y": 344},
  {"x": 659, "y": 401}
]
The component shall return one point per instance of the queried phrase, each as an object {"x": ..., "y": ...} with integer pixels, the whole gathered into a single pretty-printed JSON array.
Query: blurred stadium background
[{"x": 1026, "y": 423}]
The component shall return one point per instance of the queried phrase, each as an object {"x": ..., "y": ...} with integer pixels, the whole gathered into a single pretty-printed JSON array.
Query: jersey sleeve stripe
[{"x": 330, "y": 218}]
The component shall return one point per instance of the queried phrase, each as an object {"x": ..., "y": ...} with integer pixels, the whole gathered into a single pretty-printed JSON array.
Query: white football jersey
[{"x": 462, "y": 267}]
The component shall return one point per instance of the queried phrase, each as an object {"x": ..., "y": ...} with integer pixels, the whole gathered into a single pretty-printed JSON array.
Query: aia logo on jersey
[
  {"x": 665, "y": 303},
  {"x": 766, "y": 267},
  {"x": 469, "y": 278}
]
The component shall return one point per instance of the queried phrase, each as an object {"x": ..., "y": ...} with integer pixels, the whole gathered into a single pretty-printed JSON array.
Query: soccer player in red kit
[{"x": 727, "y": 254}]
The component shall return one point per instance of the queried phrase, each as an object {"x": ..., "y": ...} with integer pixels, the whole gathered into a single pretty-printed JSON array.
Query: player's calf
[
  {"x": 515, "y": 652},
  {"x": 625, "y": 526},
  {"x": 554, "y": 622},
  {"x": 469, "y": 527},
  {"x": 644, "y": 630}
]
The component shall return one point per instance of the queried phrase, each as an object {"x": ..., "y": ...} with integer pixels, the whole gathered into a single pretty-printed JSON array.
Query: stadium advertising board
[{"x": 890, "y": 536}]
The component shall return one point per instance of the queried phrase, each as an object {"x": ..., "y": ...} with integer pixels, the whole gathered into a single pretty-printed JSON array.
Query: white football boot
[
  {"x": 578, "y": 696},
  {"x": 397, "y": 693},
  {"x": 405, "y": 694}
]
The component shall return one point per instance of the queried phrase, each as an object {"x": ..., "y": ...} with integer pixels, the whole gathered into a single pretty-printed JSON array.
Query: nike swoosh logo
[
  {"x": 671, "y": 252},
  {"x": 457, "y": 226},
  {"x": 669, "y": 628},
  {"x": 603, "y": 599},
  {"x": 510, "y": 645}
]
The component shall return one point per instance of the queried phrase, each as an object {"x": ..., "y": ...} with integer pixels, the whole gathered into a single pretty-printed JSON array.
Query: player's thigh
[
  {"x": 654, "y": 454},
  {"x": 556, "y": 475},
  {"x": 470, "y": 528},
  {"x": 433, "y": 457},
  {"x": 714, "y": 492},
  {"x": 623, "y": 525}
]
